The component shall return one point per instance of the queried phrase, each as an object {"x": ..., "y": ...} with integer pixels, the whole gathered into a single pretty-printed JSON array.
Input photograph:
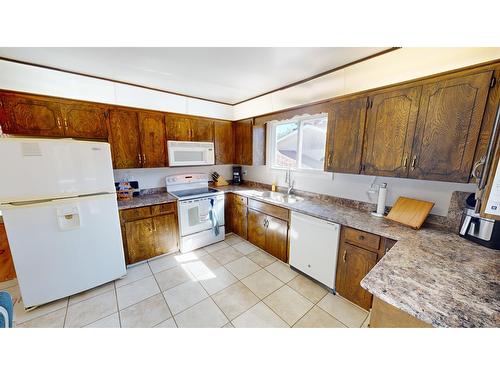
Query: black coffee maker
[
  {"x": 237, "y": 175},
  {"x": 478, "y": 229}
]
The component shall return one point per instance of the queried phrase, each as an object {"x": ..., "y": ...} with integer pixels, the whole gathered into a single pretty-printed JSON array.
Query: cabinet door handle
[
  {"x": 66, "y": 123},
  {"x": 330, "y": 157},
  {"x": 144, "y": 158},
  {"x": 413, "y": 162},
  {"x": 59, "y": 123},
  {"x": 405, "y": 163},
  {"x": 140, "y": 159},
  {"x": 345, "y": 253},
  {"x": 154, "y": 226}
]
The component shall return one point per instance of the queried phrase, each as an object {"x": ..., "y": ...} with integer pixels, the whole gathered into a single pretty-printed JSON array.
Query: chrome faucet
[{"x": 288, "y": 179}]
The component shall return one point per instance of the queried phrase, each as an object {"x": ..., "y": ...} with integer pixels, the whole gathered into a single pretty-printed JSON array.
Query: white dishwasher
[{"x": 314, "y": 247}]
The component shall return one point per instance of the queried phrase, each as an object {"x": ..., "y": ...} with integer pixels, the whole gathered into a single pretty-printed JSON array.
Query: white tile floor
[{"x": 228, "y": 284}]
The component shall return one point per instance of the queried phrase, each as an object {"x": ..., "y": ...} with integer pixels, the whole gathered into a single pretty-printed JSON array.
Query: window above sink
[{"x": 299, "y": 143}]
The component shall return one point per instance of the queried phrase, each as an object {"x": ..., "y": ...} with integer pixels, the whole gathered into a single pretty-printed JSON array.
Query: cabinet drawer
[
  {"x": 362, "y": 239},
  {"x": 135, "y": 213},
  {"x": 279, "y": 212},
  {"x": 165, "y": 208},
  {"x": 238, "y": 199}
]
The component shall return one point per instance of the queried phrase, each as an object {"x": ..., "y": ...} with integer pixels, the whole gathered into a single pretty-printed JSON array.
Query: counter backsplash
[{"x": 450, "y": 222}]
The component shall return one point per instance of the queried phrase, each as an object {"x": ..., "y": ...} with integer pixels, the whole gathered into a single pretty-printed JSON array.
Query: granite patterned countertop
[
  {"x": 146, "y": 200},
  {"x": 432, "y": 274}
]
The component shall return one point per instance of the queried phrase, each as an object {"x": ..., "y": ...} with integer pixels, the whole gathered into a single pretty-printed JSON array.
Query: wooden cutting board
[{"x": 410, "y": 212}]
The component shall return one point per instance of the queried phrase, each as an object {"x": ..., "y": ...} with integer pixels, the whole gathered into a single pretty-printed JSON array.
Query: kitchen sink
[{"x": 278, "y": 197}]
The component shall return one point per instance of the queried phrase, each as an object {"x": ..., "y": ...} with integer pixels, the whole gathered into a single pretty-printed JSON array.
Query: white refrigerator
[{"x": 59, "y": 207}]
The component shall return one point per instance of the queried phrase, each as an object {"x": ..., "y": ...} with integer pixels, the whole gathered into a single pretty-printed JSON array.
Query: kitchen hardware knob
[
  {"x": 413, "y": 163},
  {"x": 361, "y": 238}
]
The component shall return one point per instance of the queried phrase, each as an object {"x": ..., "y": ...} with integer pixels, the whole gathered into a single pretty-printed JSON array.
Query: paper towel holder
[{"x": 382, "y": 194}]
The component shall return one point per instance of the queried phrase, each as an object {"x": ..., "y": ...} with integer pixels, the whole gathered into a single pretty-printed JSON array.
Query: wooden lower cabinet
[
  {"x": 358, "y": 252},
  {"x": 352, "y": 267},
  {"x": 166, "y": 233},
  {"x": 269, "y": 233},
  {"x": 257, "y": 228},
  {"x": 384, "y": 315},
  {"x": 7, "y": 271},
  {"x": 277, "y": 238},
  {"x": 239, "y": 220},
  {"x": 149, "y": 231},
  {"x": 140, "y": 240}
]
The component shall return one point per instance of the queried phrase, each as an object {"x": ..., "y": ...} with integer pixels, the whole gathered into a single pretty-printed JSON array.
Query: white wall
[
  {"x": 20, "y": 77},
  {"x": 356, "y": 186},
  {"x": 155, "y": 177},
  {"x": 393, "y": 67}
]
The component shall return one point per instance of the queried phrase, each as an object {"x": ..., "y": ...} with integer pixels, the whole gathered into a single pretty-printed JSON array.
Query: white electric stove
[{"x": 201, "y": 210}]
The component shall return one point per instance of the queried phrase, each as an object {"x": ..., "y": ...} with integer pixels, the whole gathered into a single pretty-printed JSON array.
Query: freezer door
[
  {"x": 65, "y": 246},
  {"x": 36, "y": 169}
]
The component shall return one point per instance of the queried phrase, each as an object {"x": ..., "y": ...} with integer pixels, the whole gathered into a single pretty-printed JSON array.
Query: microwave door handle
[{"x": 465, "y": 225}]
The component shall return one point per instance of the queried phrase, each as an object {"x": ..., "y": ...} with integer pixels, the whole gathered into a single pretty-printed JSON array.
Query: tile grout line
[
  {"x": 66, "y": 313},
  {"x": 117, "y": 305},
  {"x": 163, "y": 296}
]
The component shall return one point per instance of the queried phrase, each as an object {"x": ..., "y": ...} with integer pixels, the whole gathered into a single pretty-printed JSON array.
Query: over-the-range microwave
[{"x": 190, "y": 153}]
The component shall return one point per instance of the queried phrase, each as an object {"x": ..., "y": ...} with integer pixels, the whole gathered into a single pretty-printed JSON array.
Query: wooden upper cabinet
[
  {"x": 448, "y": 126},
  {"x": 390, "y": 127},
  {"x": 85, "y": 121},
  {"x": 124, "y": 139},
  {"x": 243, "y": 142},
  {"x": 29, "y": 116},
  {"x": 224, "y": 142},
  {"x": 202, "y": 130},
  {"x": 178, "y": 128},
  {"x": 344, "y": 140},
  {"x": 184, "y": 128},
  {"x": 153, "y": 140}
]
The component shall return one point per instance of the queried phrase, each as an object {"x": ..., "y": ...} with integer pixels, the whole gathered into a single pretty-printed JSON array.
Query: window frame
[{"x": 272, "y": 144}]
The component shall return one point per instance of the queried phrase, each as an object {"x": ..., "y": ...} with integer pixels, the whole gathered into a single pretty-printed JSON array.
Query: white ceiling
[{"x": 227, "y": 75}]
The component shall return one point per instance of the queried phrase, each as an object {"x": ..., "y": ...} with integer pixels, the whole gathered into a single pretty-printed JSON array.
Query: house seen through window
[{"x": 300, "y": 143}]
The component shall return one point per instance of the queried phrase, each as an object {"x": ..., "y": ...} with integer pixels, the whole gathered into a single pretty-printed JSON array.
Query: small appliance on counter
[
  {"x": 237, "y": 175},
  {"x": 483, "y": 231}
]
